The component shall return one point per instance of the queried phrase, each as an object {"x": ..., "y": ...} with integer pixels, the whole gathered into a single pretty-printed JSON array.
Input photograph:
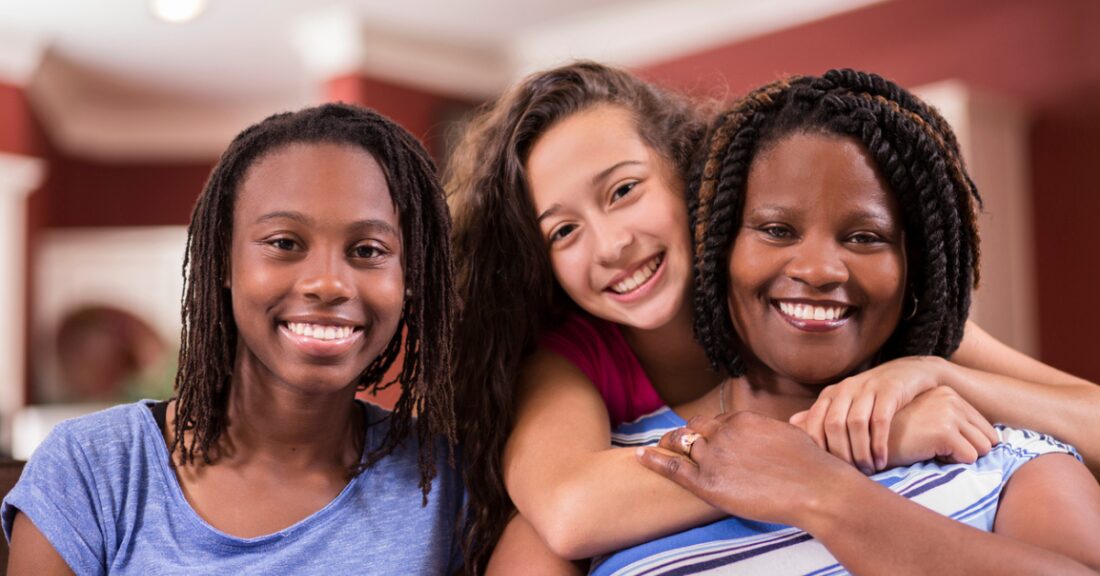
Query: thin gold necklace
[{"x": 722, "y": 397}]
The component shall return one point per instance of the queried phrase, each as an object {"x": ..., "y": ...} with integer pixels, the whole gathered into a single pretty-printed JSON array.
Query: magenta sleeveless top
[{"x": 598, "y": 349}]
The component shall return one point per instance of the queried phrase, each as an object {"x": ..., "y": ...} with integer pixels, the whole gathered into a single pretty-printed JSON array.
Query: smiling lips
[
  {"x": 813, "y": 318},
  {"x": 321, "y": 339},
  {"x": 320, "y": 331},
  {"x": 639, "y": 277}
]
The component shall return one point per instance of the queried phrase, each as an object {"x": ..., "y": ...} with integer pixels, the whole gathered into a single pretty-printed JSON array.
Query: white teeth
[
  {"x": 320, "y": 331},
  {"x": 638, "y": 278},
  {"x": 806, "y": 312}
]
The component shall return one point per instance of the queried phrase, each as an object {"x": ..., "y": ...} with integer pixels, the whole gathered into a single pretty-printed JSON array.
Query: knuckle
[
  {"x": 672, "y": 466},
  {"x": 835, "y": 426},
  {"x": 945, "y": 428},
  {"x": 946, "y": 392}
]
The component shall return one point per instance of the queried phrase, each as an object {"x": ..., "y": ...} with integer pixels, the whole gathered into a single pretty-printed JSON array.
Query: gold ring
[{"x": 687, "y": 441}]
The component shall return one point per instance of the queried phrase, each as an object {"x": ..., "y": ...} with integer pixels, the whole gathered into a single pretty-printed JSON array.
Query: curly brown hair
[{"x": 506, "y": 287}]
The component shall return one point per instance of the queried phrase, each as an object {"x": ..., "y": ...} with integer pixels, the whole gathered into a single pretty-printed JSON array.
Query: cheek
[
  {"x": 570, "y": 268},
  {"x": 888, "y": 285},
  {"x": 742, "y": 281},
  {"x": 388, "y": 294},
  {"x": 669, "y": 218}
]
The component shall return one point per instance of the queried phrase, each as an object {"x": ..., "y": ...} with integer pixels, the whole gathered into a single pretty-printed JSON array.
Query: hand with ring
[
  {"x": 687, "y": 441},
  {"x": 748, "y": 465}
]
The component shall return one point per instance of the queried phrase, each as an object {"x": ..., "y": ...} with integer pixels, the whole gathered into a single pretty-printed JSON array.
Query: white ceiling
[{"x": 110, "y": 81}]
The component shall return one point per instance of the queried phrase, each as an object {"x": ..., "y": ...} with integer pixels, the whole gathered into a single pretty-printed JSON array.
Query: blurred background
[{"x": 111, "y": 116}]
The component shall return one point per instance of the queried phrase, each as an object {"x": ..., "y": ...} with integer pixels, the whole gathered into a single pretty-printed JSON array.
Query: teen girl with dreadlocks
[
  {"x": 587, "y": 242},
  {"x": 318, "y": 249},
  {"x": 845, "y": 194}
]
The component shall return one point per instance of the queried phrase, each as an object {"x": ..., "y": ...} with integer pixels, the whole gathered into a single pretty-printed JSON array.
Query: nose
[
  {"x": 611, "y": 241},
  {"x": 818, "y": 263},
  {"x": 325, "y": 279}
]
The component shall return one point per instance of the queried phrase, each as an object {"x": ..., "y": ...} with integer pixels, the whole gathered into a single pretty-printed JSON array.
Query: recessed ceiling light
[{"x": 177, "y": 11}]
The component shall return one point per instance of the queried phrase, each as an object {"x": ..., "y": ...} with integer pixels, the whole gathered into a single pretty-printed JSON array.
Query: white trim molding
[{"x": 19, "y": 176}]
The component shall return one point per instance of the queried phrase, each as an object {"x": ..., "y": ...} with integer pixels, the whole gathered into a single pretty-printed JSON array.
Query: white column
[
  {"x": 993, "y": 135},
  {"x": 19, "y": 176}
]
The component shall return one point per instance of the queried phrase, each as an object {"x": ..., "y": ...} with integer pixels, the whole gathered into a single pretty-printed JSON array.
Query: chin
[
  {"x": 819, "y": 375},
  {"x": 645, "y": 320}
]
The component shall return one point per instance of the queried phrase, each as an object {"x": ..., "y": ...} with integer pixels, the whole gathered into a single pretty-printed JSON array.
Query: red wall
[
  {"x": 1044, "y": 54},
  {"x": 90, "y": 193},
  {"x": 424, "y": 114}
]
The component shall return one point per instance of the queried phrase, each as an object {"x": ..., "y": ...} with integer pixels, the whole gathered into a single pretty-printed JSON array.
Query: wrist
[
  {"x": 840, "y": 508},
  {"x": 824, "y": 513},
  {"x": 944, "y": 372}
]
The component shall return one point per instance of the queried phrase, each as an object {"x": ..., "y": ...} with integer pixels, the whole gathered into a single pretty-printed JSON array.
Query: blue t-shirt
[
  {"x": 102, "y": 491},
  {"x": 968, "y": 493}
]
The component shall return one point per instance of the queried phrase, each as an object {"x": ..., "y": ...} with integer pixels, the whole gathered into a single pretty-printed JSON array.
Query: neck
[
  {"x": 270, "y": 423},
  {"x": 775, "y": 399},
  {"x": 675, "y": 364}
]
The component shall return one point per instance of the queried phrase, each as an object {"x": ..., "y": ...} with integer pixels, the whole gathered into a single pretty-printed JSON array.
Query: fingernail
[
  {"x": 866, "y": 471},
  {"x": 639, "y": 452},
  {"x": 879, "y": 464}
]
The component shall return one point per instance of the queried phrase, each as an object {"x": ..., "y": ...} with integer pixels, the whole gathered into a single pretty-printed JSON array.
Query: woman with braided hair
[
  {"x": 318, "y": 250},
  {"x": 822, "y": 211},
  {"x": 570, "y": 222}
]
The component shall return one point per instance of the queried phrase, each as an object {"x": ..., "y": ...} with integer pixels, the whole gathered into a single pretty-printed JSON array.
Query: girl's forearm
[
  {"x": 1066, "y": 411},
  {"x": 604, "y": 501}
]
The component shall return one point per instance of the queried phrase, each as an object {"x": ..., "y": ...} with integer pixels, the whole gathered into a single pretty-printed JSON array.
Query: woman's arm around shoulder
[
  {"x": 582, "y": 496},
  {"x": 1010, "y": 387}
]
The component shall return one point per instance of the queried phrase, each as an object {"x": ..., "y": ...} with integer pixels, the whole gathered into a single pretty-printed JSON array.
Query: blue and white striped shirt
[{"x": 968, "y": 493}]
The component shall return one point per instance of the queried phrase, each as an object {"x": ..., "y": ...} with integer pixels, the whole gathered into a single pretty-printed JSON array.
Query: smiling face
[
  {"x": 817, "y": 269},
  {"x": 316, "y": 270},
  {"x": 614, "y": 218}
]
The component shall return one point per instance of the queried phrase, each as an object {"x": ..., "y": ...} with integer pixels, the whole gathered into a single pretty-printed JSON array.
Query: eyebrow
[
  {"x": 607, "y": 171},
  {"x": 289, "y": 215},
  {"x": 599, "y": 177},
  {"x": 368, "y": 224},
  {"x": 862, "y": 215},
  {"x": 553, "y": 209}
]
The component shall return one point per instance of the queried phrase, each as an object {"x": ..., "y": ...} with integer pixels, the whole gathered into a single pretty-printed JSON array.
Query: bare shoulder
[
  {"x": 1053, "y": 502},
  {"x": 521, "y": 550},
  {"x": 546, "y": 372},
  {"x": 31, "y": 552}
]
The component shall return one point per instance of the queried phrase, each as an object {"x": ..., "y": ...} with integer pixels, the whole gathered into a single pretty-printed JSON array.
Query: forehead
[
  {"x": 326, "y": 179},
  {"x": 583, "y": 144},
  {"x": 809, "y": 169}
]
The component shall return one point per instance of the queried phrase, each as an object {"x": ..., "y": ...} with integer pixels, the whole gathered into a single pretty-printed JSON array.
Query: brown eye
[
  {"x": 865, "y": 238},
  {"x": 777, "y": 231},
  {"x": 622, "y": 191},
  {"x": 366, "y": 251},
  {"x": 285, "y": 244},
  {"x": 562, "y": 232}
]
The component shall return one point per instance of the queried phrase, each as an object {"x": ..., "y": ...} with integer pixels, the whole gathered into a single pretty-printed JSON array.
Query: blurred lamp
[{"x": 177, "y": 11}]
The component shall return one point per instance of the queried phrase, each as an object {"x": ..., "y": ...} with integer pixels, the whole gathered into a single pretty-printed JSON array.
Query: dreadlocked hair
[
  {"x": 918, "y": 157},
  {"x": 209, "y": 335},
  {"x": 506, "y": 286}
]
